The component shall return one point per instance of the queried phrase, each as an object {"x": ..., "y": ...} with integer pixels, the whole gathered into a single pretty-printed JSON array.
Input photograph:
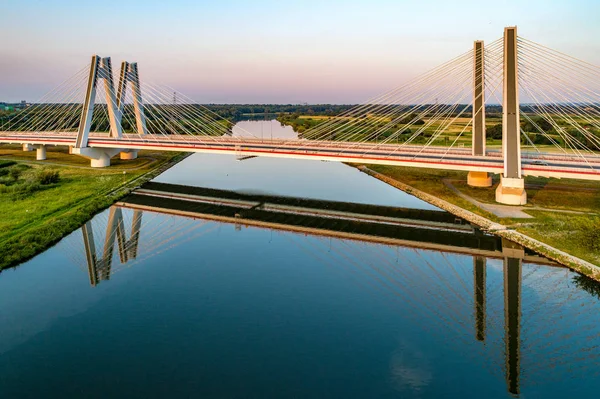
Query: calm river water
[{"x": 212, "y": 310}]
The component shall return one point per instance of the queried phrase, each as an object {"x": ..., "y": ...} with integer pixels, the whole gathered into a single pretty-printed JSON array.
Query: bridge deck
[{"x": 534, "y": 164}]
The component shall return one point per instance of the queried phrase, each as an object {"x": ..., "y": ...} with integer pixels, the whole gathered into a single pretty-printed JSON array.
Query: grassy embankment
[{"x": 41, "y": 202}]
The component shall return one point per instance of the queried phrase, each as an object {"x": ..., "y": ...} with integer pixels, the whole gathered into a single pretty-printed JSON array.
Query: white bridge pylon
[{"x": 101, "y": 69}]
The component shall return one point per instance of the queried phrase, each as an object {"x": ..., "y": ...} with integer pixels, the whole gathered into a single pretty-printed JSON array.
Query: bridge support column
[
  {"x": 511, "y": 190},
  {"x": 478, "y": 179},
  {"x": 99, "y": 157},
  {"x": 127, "y": 155},
  {"x": 40, "y": 152},
  {"x": 27, "y": 147},
  {"x": 100, "y": 69},
  {"x": 129, "y": 73}
]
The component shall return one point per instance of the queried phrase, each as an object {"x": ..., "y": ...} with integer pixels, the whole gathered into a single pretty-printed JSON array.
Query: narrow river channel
[{"x": 206, "y": 309}]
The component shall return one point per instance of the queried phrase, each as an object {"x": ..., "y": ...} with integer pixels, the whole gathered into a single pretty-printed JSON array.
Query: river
[{"x": 216, "y": 310}]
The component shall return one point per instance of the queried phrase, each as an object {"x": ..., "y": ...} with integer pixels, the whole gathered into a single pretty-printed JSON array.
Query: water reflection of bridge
[
  {"x": 100, "y": 269},
  {"x": 417, "y": 229}
]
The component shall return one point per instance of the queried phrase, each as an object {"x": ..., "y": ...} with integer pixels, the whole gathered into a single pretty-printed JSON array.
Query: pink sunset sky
[{"x": 272, "y": 51}]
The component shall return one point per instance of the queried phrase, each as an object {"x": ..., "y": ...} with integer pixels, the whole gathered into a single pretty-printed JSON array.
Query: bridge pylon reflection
[
  {"x": 512, "y": 276},
  {"x": 479, "y": 272},
  {"x": 100, "y": 269},
  {"x": 512, "y": 312}
]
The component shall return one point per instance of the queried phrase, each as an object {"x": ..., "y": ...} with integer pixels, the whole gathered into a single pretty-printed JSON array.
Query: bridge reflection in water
[{"x": 415, "y": 230}]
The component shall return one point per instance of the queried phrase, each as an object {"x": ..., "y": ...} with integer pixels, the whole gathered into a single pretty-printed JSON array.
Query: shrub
[
  {"x": 46, "y": 176},
  {"x": 15, "y": 173},
  {"x": 494, "y": 132},
  {"x": 589, "y": 233},
  {"x": 6, "y": 164},
  {"x": 541, "y": 139}
]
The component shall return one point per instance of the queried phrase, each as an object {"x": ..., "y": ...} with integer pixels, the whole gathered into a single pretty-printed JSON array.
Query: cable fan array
[
  {"x": 563, "y": 96},
  {"x": 418, "y": 112},
  {"x": 167, "y": 112}
]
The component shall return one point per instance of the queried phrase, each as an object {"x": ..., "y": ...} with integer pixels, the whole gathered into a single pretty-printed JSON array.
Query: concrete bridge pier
[
  {"x": 511, "y": 190},
  {"x": 99, "y": 157},
  {"x": 478, "y": 179},
  {"x": 40, "y": 152},
  {"x": 39, "y": 148},
  {"x": 128, "y": 155}
]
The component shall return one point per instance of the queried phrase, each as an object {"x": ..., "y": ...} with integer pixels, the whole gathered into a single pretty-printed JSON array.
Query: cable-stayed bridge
[{"x": 550, "y": 119}]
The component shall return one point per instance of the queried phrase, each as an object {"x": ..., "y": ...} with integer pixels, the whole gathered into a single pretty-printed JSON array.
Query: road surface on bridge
[{"x": 567, "y": 165}]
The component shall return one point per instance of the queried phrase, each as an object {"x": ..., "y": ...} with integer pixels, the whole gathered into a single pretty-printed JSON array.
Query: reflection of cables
[{"x": 408, "y": 291}]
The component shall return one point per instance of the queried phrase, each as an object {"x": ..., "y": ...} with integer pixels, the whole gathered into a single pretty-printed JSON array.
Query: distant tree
[
  {"x": 588, "y": 284},
  {"x": 412, "y": 119},
  {"x": 541, "y": 139},
  {"x": 494, "y": 132},
  {"x": 538, "y": 123}
]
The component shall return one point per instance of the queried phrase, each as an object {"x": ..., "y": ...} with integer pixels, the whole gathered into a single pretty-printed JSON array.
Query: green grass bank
[
  {"x": 565, "y": 214},
  {"x": 42, "y": 201}
]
